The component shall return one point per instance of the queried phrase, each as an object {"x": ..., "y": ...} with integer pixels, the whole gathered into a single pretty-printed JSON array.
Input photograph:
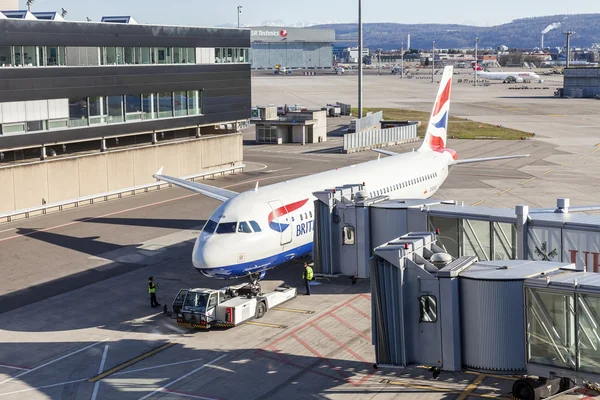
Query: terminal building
[
  {"x": 306, "y": 48},
  {"x": 64, "y": 82},
  {"x": 581, "y": 82}
]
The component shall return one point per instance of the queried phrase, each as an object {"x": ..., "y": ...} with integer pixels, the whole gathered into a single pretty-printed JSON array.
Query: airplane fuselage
[{"x": 260, "y": 229}]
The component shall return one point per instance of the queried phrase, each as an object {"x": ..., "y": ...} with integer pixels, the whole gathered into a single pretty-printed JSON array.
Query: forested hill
[{"x": 520, "y": 33}]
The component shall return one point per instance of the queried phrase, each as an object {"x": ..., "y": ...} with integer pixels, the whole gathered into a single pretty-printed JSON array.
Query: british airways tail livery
[
  {"x": 517, "y": 77},
  {"x": 262, "y": 228}
]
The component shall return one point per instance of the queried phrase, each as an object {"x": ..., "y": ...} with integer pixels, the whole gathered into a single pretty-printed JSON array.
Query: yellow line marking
[
  {"x": 596, "y": 150},
  {"x": 294, "y": 310},
  {"x": 131, "y": 362},
  {"x": 471, "y": 387},
  {"x": 267, "y": 325},
  {"x": 478, "y": 203},
  {"x": 567, "y": 163},
  {"x": 507, "y": 377},
  {"x": 579, "y": 158},
  {"x": 502, "y": 192},
  {"x": 439, "y": 389},
  {"x": 528, "y": 180},
  {"x": 547, "y": 172}
]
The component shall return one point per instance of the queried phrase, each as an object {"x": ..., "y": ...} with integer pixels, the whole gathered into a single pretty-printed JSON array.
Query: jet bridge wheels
[{"x": 536, "y": 389}]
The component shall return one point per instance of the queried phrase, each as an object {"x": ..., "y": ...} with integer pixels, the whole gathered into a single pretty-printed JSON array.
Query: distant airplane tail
[
  {"x": 436, "y": 135},
  {"x": 476, "y": 66}
]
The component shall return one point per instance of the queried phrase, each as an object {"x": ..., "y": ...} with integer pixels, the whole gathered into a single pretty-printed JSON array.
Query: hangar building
[{"x": 308, "y": 48}]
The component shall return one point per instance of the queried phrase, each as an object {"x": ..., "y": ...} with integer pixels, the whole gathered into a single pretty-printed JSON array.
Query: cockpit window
[
  {"x": 244, "y": 227},
  {"x": 255, "y": 226},
  {"x": 210, "y": 226},
  {"x": 226, "y": 227}
]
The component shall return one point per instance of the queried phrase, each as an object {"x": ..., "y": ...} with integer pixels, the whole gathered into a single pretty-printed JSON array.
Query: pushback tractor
[{"x": 231, "y": 306}]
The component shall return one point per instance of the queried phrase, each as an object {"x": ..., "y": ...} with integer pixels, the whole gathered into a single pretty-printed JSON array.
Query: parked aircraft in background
[{"x": 506, "y": 77}]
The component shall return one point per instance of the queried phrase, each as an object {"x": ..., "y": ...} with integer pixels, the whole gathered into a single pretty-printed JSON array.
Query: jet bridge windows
[{"x": 427, "y": 309}]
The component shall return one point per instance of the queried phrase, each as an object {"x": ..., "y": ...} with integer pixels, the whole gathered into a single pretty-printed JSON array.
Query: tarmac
[{"x": 75, "y": 318}]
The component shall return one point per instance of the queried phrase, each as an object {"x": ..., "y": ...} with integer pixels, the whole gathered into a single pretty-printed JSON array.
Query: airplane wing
[
  {"x": 207, "y": 190},
  {"x": 476, "y": 160},
  {"x": 386, "y": 152}
]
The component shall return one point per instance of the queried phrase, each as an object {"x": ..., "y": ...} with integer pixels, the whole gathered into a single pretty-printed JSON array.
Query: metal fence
[
  {"x": 368, "y": 122},
  {"x": 361, "y": 141},
  {"x": 59, "y": 206}
]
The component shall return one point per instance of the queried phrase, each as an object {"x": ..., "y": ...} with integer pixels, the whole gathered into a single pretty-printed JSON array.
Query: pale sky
[{"x": 221, "y": 12}]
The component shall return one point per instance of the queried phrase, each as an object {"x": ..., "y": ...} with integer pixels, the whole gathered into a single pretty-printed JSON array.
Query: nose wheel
[{"x": 254, "y": 283}]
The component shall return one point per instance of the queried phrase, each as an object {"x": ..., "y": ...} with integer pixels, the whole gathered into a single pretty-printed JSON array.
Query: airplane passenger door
[{"x": 280, "y": 221}]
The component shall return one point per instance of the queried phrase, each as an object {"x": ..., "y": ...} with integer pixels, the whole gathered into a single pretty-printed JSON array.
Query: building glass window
[
  {"x": 8, "y": 129},
  {"x": 133, "y": 107},
  {"x": 58, "y": 124},
  {"x": 97, "y": 110},
  {"x": 34, "y": 126},
  {"x": 193, "y": 102},
  {"x": 147, "y": 106},
  {"x": 145, "y": 55},
  {"x": 180, "y": 102},
  {"x": 78, "y": 112},
  {"x": 176, "y": 55},
  {"x": 218, "y": 55},
  {"x": 110, "y": 55},
  {"x": 129, "y": 55},
  {"x": 427, "y": 309},
  {"x": 229, "y": 55},
  {"x": 114, "y": 108},
  {"x": 165, "y": 105},
  {"x": 162, "y": 55},
  {"x": 169, "y": 55},
  {"x": 191, "y": 56},
  {"x": 5, "y": 56},
  {"x": 18, "y": 56}
]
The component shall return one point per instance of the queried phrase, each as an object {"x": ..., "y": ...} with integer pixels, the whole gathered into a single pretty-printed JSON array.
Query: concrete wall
[
  {"x": 24, "y": 186},
  {"x": 581, "y": 82}
]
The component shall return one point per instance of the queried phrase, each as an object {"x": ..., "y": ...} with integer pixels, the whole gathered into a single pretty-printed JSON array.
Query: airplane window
[
  {"x": 306, "y": 215},
  {"x": 255, "y": 226},
  {"x": 243, "y": 227},
  {"x": 226, "y": 227},
  {"x": 210, "y": 226},
  {"x": 301, "y": 219},
  {"x": 310, "y": 213}
]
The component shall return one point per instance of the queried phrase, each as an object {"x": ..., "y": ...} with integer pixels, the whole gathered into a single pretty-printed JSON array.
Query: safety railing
[
  {"x": 59, "y": 206},
  {"x": 361, "y": 141}
]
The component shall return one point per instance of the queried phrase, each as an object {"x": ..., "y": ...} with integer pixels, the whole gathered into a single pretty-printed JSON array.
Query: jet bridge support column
[{"x": 522, "y": 226}]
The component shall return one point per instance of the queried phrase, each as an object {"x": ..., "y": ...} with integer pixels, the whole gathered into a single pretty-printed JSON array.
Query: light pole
[
  {"x": 379, "y": 59},
  {"x": 568, "y": 60},
  {"x": 476, "y": 65},
  {"x": 402, "y": 61},
  {"x": 432, "y": 60},
  {"x": 239, "y": 8},
  {"x": 360, "y": 60}
]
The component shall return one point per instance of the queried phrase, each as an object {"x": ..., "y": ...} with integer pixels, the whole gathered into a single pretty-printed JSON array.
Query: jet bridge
[
  {"x": 349, "y": 225},
  {"x": 535, "y": 318}
]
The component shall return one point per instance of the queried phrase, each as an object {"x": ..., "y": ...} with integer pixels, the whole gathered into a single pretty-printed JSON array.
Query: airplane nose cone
[{"x": 210, "y": 256}]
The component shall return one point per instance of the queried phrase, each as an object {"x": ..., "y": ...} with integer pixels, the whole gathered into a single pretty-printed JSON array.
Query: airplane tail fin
[
  {"x": 476, "y": 66},
  {"x": 436, "y": 135}
]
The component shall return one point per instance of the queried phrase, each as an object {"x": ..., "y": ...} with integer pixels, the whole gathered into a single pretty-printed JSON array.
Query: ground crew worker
[
  {"x": 307, "y": 276},
  {"x": 152, "y": 291}
]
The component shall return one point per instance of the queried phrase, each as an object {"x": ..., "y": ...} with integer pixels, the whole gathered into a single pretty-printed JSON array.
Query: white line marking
[
  {"x": 193, "y": 396},
  {"x": 44, "y": 387},
  {"x": 13, "y": 367},
  {"x": 100, "y": 370},
  {"x": 277, "y": 170},
  {"x": 52, "y": 362},
  {"x": 183, "y": 377},
  {"x": 157, "y": 366},
  {"x": 9, "y": 229}
]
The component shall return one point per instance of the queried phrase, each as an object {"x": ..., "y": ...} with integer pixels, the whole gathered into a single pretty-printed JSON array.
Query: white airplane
[
  {"x": 506, "y": 77},
  {"x": 262, "y": 228}
]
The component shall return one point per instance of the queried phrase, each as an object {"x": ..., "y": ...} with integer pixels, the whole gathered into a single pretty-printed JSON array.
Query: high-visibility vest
[
  {"x": 151, "y": 287},
  {"x": 308, "y": 274}
]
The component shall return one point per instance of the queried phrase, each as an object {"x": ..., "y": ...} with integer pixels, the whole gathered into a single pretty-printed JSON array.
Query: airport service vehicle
[
  {"x": 254, "y": 231},
  {"x": 228, "y": 307},
  {"x": 506, "y": 77}
]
